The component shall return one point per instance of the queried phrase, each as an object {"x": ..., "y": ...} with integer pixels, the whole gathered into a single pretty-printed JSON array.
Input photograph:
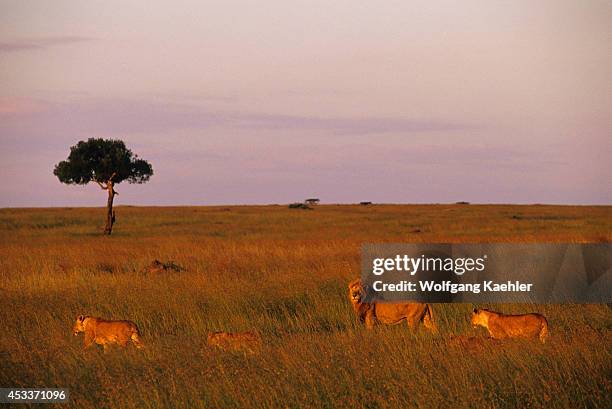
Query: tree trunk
[{"x": 110, "y": 214}]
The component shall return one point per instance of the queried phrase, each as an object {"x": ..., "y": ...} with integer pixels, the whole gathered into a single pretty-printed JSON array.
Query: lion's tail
[
  {"x": 543, "y": 330},
  {"x": 136, "y": 339},
  {"x": 428, "y": 319}
]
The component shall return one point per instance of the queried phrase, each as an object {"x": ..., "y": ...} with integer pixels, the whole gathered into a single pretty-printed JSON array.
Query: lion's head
[
  {"x": 478, "y": 318},
  {"x": 79, "y": 325},
  {"x": 216, "y": 338},
  {"x": 356, "y": 293}
]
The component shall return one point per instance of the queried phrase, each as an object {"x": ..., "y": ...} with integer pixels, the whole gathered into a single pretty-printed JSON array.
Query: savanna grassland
[{"x": 284, "y": 272}]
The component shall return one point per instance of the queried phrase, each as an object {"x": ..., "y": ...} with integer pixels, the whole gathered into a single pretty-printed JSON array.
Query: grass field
[{"x": 284, "y": 272}]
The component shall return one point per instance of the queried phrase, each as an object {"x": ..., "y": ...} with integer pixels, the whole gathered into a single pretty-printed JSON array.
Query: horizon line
[{"x": 320, "y": 204}]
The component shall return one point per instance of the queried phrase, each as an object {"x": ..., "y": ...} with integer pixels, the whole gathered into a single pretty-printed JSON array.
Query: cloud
[
  {"x": 344, "y": 125},
  {"x": 11, "y": 107},
  {"x": 97, "y": 116},
  {"x": 26, "y": 44},
  {"x": 205, "y": 155}
]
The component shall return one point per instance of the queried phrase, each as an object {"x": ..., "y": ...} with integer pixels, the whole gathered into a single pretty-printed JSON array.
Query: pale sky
[{"x": 238, "y": 102}]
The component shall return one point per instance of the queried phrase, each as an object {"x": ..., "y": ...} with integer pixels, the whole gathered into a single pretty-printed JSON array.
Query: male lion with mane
[
  {"x": 502, "y": 326},
  {"x": 389, "y": 313},
  {"x": 105, "y": 332}
]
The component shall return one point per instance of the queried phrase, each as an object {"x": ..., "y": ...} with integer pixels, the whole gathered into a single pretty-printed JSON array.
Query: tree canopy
[{"x": 100, "y": 160}]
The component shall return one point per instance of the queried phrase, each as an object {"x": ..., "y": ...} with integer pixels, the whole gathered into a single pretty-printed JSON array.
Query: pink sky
[{"x": 271, "y": 102}]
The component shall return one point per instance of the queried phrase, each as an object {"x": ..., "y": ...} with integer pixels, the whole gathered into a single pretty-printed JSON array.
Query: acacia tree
[{"x": 104, "y": 161}]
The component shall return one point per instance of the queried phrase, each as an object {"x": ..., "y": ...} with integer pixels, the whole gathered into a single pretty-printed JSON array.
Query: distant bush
[
  {"x": 462, "y": 203},
  {"x": 365, "y": 203},
  {"x": 303, "y": 206},
  {"x": 106, "y": 268},
  {"x": 158, "y": 267}
]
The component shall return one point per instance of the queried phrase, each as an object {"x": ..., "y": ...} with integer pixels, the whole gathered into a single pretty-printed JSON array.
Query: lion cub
[
  {"x": 248, "y": 341},
  {"x": 104, "y": 332},
  {"x": 502, "y": 326}
]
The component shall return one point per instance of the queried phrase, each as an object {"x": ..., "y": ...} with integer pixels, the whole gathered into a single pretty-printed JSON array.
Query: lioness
[
  {"x": 389, "y": 313},
  {"x": 502, "y": 326},
  {"x": 104, "y": 332},
  {"x": 248, "y": 341}
]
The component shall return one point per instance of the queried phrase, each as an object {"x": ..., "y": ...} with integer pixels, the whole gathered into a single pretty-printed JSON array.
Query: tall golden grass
[{"x": 284, "y": 272}]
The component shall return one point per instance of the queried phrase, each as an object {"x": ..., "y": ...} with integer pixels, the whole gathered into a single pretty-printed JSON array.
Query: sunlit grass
[{"x": 283, "y": 272}]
